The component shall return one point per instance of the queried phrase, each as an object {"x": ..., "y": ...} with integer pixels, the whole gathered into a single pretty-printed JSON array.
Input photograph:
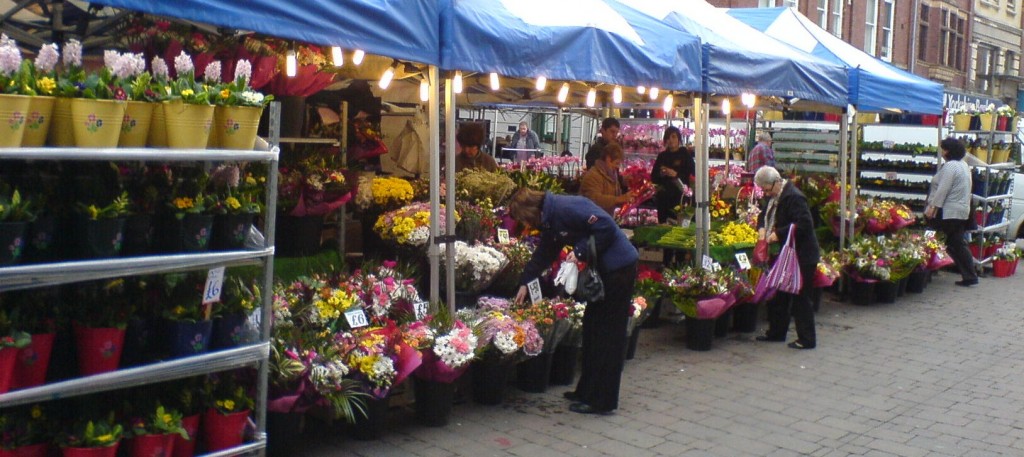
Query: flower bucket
[
  {"x": 138, "y": 235},
  {"x": 744, "y": 317},
  {"x": 563, "y": 364},
  {"x": 97, "y": 123},
  {"x": 235, "y": 126},
  {"x": 187, "y": 447},
  {"x": 230, "y": 230},
  {"x": 37, "y": 121},
  {"x": 1000, "y": 155},
  {"x": 31, "y": 450},
  {"x": 1003, "y": 123},
  {"x": 189, "y": 338},
  {"x": 32, "y": 361},
  {"x": 699, "y": 333},
  {"x": 995, "y": 217},
  {"x": 722, "y": 324},
  {"x": 8, "y": 360},
  {"x": 12, "y": 242},
  {"x": 490, "y": 377},
  {"x": 41, "y": 239},
  {"x": 151, "y": 446},
  {"x": 99, "y": 349},
  {"x": 228, "y": 331},
  {"x": 886, "y": 291},
  {"x": 157, "y": 137},
  {"x": 433, "y": 402},
  {"x": 101, "y": 238},
  {"x": 109, "y": 451},
  {"x": 188, "y": 125},
  {"x": 961, "y": 122},
  {"x": 862, "y": 292},
  {"x": 135, "y": 125},
  {"x": 62, "y": 132},
  {"x": 1002, "y": 268},
  {"x": 13, "y": 110},
  {"x": 222, "y": 431},
  {"x": 372, "y": 425},
  {"x": 534, "y": 373},
  {"x": 917, "y": 281},
  {"x": 191, "y": 233},
  {"x": 631, "y": 343},
  {"x": 988, "y": 121},
  {"x": 140, "y": 335}
]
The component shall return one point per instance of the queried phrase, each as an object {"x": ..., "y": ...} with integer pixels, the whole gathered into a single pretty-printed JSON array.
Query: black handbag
[{"x": 589, "y": 287}]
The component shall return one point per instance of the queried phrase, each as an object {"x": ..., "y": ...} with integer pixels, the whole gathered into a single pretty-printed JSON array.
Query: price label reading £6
[
  {"x": 744, "y": 262},
  {"x": 356, "y": 318},
  {"x": 420, "y": 309},
  {"x": 503, "y": 236},
  {"x": 214, "y": 283},
  {"x": 534, "y": 288},
  {"x": 707, "y": 263}
]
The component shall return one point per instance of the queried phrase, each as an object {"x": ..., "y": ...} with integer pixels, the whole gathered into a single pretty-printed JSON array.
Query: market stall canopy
[
  {"x": 874, "y": 85},
  {"x": 573, "y": 40},
  {"x": 738, "y": 59},
  {"x": 395, "y": 28}
]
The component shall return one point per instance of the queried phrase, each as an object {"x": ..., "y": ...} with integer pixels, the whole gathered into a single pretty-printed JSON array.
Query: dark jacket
[
  {"x": 482, "y": 161},
  {"x": 596, "y": 151},
  {"x": 571, "y": 220},
  {"x": 793, "y": 209},
  {"x": 531, "y": 141},
  {"x": 669, "y": 195}
]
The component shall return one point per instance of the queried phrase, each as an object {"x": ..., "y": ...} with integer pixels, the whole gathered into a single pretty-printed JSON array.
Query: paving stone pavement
[{"x": 934, "y": 374}]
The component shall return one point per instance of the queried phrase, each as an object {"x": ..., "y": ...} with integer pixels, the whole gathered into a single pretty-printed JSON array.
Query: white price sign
[
  {"x": 503, "y": 236},
  {"x": 534, "y": 288},
  {"x": 356, "y": 318},
  {"x": 214, "y": 284},
  {"x": 929, "y": 233},
  {"x": 716, "y": 267},
  {"x": 890, "y": 175},
  {"x": 888, "y": 144},
  {"x": 420, "y": 309},
  {"x": 881, "y": 238},
  {"x": 744, "y": 262},
  {"x": 707, "y": 263}
]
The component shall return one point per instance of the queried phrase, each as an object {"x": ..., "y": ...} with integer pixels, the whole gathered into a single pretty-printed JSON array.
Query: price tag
[
  {"x": 420, "y": 309},
  {"x": 214, "y": 283},
  {"x": 716, "y": 267},
  {"x": 888, "y": 144},
  {"x": 534, "y": 288},
  {"x": 356, "y": 318},
  {"x": 707, "y": 262},
  {"x": 890, "y": 175},
  {"x": 503, "y": 236},
  {"x": 685, "y": 223},
  {"x": 881, "y": 238},
  {"x": 744, "y": 262}
]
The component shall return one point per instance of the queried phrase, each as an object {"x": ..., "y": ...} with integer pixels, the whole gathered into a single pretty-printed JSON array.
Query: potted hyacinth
[
  {"x": 41, "y": 85},
  {"x": 13, "y": 104},
  {"x": 238, "y": 108},
  {"x": 188, "y": 114},
  {"x": 70, "y": 77},
  {"x": 137, "y": 85},
  {"x": 98, "y": 113},
  {"x": 235, "y": 203}
]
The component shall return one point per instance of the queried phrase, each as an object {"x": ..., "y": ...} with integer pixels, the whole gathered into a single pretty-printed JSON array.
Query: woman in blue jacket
[{"x": 572, "y": 220}]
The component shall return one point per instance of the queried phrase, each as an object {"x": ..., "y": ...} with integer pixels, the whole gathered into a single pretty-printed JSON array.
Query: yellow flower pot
[
  {"x": 980, "y": 153},
  {"x": 12, "y": 119},
  {"x": 961, "y": 122},
  {"x": 867, "y": 118},
  {"x": 97, "y": 122},
  {"x": 157, "y": 127},
  {"x": 135, "y": 126},
  {"x": 988, "y": 121},
  {"x": 188, "y": 126},
  {"x": 235, "y": 126},
  {"x": 61, "y": 133},
  {"x": 1001, "y": 155},
  {"x": 773, "y": 115},
  {"x": 38, "y": 120}
]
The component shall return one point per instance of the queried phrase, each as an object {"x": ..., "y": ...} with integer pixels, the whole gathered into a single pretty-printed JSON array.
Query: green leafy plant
[
  {"x": 117, "y": 208},
  {"x": 225, "y": 395},
  {"x": 23, "y": 426},
  {"x": 99, "y": 433},
  {"x": 161, "y": 421},
  {"x": 15, "y": 208}
]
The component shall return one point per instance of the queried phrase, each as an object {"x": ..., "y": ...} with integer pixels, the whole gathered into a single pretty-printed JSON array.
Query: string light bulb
[
  {"x": 495, "y": 83},
  {"x": 542, "y": 83},
  {"x": 357, "y": 56},
  {"x": 617, "y": 95},
  {"x": 457, "y": 82},
  {"x": 726, "y": 107},
  {"x": 291, "y": 64},
  {"x": 653, "y": 93},
  {"x": 424, "y": 90},
  {"x": 389, "y": 74},
  {"x": 563, "y": 93},
  {"x": 641, "y": 90},
  {"x": 748, "y": 100},
  {"x": 591, "y": 97},
  {"x": 337, "y": 57},
  {"x": 668, "y": 104}
]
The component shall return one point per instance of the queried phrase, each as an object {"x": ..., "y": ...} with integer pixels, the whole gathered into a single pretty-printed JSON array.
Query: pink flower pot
[
  {"x": 152, "y": 446},
  {"x": 99, "y": 349},
  {"x": 187, "y": 447},
  {"x": 33, "y": 360},
  {"x": 8, "y": 357},
  {"x": 223, "y": 431}
]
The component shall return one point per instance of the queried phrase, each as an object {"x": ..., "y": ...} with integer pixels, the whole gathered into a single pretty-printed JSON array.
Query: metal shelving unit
[{"x": 30, "y": 276}]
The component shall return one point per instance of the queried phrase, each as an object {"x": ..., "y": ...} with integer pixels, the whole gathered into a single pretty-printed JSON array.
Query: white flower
[
  {"x": 10, "y": 57},
  {"x": 447, "y": 347},
  {"x": 243, "y": 70},
  {"x": 160, "y": 70},
  {"x": 47, "y": 59},
  {"x": 73, "y": 53},
  {"x": 505, "y": 342},
  {"x": 6, "y": 41},
  {"x": 212, "y": 72},
  {"x": 251, "y": 98},
  {"x": 136, "y": 63},
  {"x": 110, "y": 58},
  {"x": 183, "y": 64}
]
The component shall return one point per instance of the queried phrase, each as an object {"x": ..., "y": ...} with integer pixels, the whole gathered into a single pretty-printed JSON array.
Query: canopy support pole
[
  {"x": 700, "y": 148},
  {"x": 434, "y": 118},
  {"x": 854, "y": 155},
  {"x": 450, "y": 151},
  {"x": 844, "y": 159}
]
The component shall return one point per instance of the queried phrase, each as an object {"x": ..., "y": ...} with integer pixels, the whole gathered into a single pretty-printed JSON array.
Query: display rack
[
  {"x": 65, "y": 272},
  {"x": 806, "y": 147},
  {"x": 897, "y": 173},
  {"x": 992, "y": 188}
]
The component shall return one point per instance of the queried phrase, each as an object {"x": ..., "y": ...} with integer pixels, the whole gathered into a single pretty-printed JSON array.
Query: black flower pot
[
  {"x": 490, "y": 377},
  {"x": 631, "y": 343},
  {"x": 534, "y": 374},
  {"x": 370, "y": 426},
  {"x": 138, "y": 234},
  {"x": 433, "y": 402},
  {"x": 12, "y": 242},
  {"x": 137, "y": 337},
  {"x": 101, "y": 238},
  {"x": 862, "y": 293},
  {"x": 563, "y": 364},
  {"x": 722, "y": 324},
  {"x": 744, "y": 317},
  {"x": 228, "y": 331},
  {"x": 885, "y": 291},
  {"x": 189, "y": 233},
  {"x": 42, "y": 240},
  {"x": 901, "y": 286},
  {"x": 700, "y": 333},
  {"x": 189, "y": 338},
  {"x": 230, "y": 230},
  {"x": 298, "y": 236},
  {"x": 917, "y": 281}
]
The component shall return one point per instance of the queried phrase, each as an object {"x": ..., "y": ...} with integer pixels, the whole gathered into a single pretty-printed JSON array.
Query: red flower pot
[
  {"x": 152, "y": 445},
  {"x": 991, "y": 250},
  {"x": 187, "y": 447},
  {"x": 32, "y": 450},
  {"x": 1002, "y": 268},
  {"x": 33, "y": 360},
  {"x": 975, "y": 250},
  {"x": 222, "y": 431},
  {"x": 6, "y": 453},
  {"x": 99, "y": 349},
  {"x": 8, "y": 357},
  {"x": 109, "y": 451}
]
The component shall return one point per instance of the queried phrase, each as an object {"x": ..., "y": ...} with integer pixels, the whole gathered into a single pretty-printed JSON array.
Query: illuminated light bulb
[
  {"x": 457, "y": 82},
  {"x": 291, "y": 64},
  {"x": 617, "y": 95},
  {"x": 563, "y": 93},
  {"x": 424, "y": 90},
  {"x": 591, "y": 97},
  {"x": 641, "y": 90},
  {"x": 668, "y": 104},
  {"x": 336, "y": 56},
  {"x": 653, "y": 93},
  {"x": 748, "y": 100},
  {"x": 385, "y": 79},
  {"x": 357, "y": 57},
  {"x": 726, "y": 107},
  {"x": 542, "y": 83},
  {"x": 495, "y": 84}
]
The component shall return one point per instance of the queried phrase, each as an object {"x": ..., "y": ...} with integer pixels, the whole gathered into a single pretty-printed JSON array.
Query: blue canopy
[
  {"x": 403, "y": 29},
  {"x": 575, "y": 40},
  {"x": 874, "y": 85},
  {"x": 737, "y": 58}
]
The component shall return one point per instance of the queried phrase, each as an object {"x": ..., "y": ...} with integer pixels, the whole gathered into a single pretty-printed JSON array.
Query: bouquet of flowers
[
  {"x": 315, "y": 303},
  {"x": 537, "y": 180},
  {"x": 383, "y": 193},
  {"x": 309, "y": 371},
  {"x": 637, "y": 175},
  {"x": 518, "y": 254},
  {"x": 720, "y": 178},
  {"x": 448, "y": 346},
  {"x": 733, "y": 234},
  {"x": 501, "y": 334},
  {"x": 868, "y": 260},
  {"x": 409, "y": 225},
  {"x": 476, "y": 265},
  {"x": 689, "y": 286},
  {"x": 476, "y": 222},
  {"x": 312, "y": 189},
  {"x": 720, "y": 209},
  {"x": 650, "y": 286},
  {"x": 383, "y": 290},
  {"x": 378, "y": 356},
  {"x": 476, "y": 185},
  {"x": 549, "y": 317}
]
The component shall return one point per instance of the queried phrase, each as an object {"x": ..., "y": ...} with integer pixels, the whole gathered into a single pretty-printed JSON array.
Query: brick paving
[{"x": 933, "y": 374}]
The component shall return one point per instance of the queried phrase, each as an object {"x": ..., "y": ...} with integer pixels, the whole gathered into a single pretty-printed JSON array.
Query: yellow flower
[
  {"x": 105, "y": 438},
  {"x": 249, "y": 180},
  {"x": 166, "y": 418},
  {"x": 183, "y": 203},
  {"x": 229, "y": 404},
  {"x": 232, "y": 203},
  {"x": 46, "y": 85},
  {"x": 178, "y": 310},
  {"x": 37, "y": 412},
  {"x": 187, "y": 92},
  {"x": 225, "y": 93},
  {"x": 93, "y": 212}
]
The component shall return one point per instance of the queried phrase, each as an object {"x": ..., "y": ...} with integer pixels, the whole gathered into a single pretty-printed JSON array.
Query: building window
[
  {"x": 951, "y": 40},
  {"x": 985, "y": 68},
  {"x": 922, "y": 33},
  {"x": 791, "y": 3},
  {"x": 766, "y": 3},
  {"x": 1011, "y": 7},
  {"x": 886, "y": 19},
  {"x": 837, "y": 18},
  {"x": 823, "y": 14},
  {"x": 1010, "y": 63},
  {"x": 871, "y": 27}
]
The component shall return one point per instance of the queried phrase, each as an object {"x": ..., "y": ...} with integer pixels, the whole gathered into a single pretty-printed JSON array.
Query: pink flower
[
  {"x": 243, "y": 70},
  {"x": 47, "y": 58},
  {"x": 10, "y": 58},
  {"x": 159, "y": 67},
  {"x": 183, "y": 64},
  {"x": 212, "y": 72},
  {"x": 389, "y": 264},
  {"x": 73, "y": 53}
]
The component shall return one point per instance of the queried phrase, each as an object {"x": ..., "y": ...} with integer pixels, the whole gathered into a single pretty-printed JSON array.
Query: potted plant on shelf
[
  {"x": 188, "y": 320},
  {"x": 1006, "y": 120},
  {"x": 235, "y": 203},
  {"x": 138, "y": 85},
  {"x": 239, "y": 299},
  {"x": 191, "y": 224},
  {"x": 13, "y": 105},
  {"x": 99, "y": 327},
  {"x": 15, "y": 215},
  {"x": 185, "y": 396},
  {"x": 1004, "y": 263},
  {"x": 102, "y": 228},
  {"x": 40, "y": 84},
  {"x": 154, "y": 432},
  {"x": 238, "y": 110},
  {"x": 25, "y": 431},
  {"x": 33, "y": 312},
  {"x": 11, "y": 340},
  {"x": 148, "y": 186},
  {"x": 188, "y": 114},
  {"x": 98, "y": 113},
  {"x": 91, "y": 438},
  {"x": 228, "y": 406},
  {"x": 70, "y": 77}
]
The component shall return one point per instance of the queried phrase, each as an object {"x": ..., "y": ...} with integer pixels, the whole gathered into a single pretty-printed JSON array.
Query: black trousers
[
  {"x": 798, "y": 306},
  {"x": 604, "y": 340},
  {"x": 957, "y": 247}
]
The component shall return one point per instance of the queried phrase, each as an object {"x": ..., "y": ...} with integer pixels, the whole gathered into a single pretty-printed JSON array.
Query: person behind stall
[
  {"x": 525, "y": 138},
  {"x": 601, "y": 182},
  {"x": 571, "y": 220},
  {"x": 674, "y": 168},
  {"x": 787, "y": 205},
  {"x": 949, "y": 207},
  {"x": 470, "y": 137},
  {"x": 762, "y": 154},
  {"x": 609, "y": 134}
]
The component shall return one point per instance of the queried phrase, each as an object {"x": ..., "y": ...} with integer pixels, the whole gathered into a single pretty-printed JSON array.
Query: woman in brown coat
[{"x": 601, "y": 182}]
